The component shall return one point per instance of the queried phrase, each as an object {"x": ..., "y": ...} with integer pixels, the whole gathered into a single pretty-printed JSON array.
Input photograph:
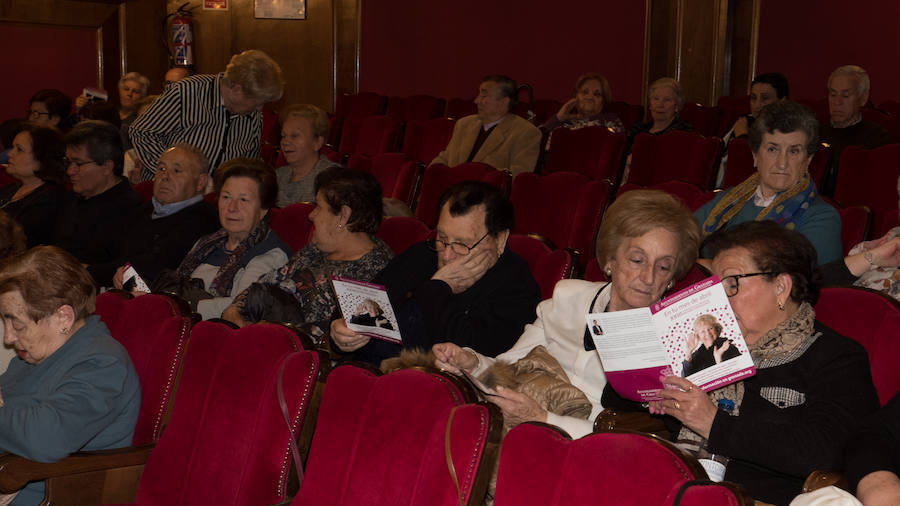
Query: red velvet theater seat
[
  {"x": 380, "y": 440},
  {"x": 292, "y": 224},
  {"x": 154, "y": 329},
  {"x": 439, "y": 177},
  {"x": 593, "y": 151},
  {"x": 424, "y": 140},
  {"x": 564, "y": 208},
  {"x": 872, "y": 319},
  {"x": 401, "y": 232},
  {"x": 415, "y": 108},
  {"x": 396, "y": 173},
  {"x": 869, "y": 178},
  {"x": 369, "y": 136},
  {"x": 547, "y": 266},
  {"x": 543, "y": 467},
  {"x": 705, "y": 120},
  {"x": 685, "y": 156}
]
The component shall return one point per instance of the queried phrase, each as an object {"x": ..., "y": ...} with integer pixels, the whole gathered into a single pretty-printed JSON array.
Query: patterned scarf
[
  {"x": 781, "y": 345},
  {"x": 221, "y": 284},
  {"x": 786, "y": 210}
]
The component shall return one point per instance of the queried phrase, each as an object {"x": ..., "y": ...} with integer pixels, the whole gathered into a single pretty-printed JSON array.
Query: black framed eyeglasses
[
  {"x": 77, "y": 163},
  {"x": 732, "y": 286},
  {"x": 33, "y": 114},
  {"x": 456, "y": 247}
]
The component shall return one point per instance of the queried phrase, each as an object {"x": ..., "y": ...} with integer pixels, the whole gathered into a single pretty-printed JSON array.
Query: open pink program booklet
[
  {"x": 366, "y": 309},
  {"x": 692, "y": 333}
]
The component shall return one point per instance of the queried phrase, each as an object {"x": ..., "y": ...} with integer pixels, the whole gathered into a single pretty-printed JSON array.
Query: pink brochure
[{"x": 692, "y": 333}]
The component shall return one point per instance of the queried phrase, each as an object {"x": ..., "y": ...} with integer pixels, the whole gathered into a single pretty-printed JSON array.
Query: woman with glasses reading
[
  {"x": 811, "y": 384},
  {"x": 646, "y": 242}
]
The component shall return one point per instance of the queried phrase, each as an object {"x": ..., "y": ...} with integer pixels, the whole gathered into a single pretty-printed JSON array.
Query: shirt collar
[{"x": 163, "y": 210}]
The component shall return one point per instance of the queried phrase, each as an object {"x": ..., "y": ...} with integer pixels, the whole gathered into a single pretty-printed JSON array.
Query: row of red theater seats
[{"x": 222, "y": 411}]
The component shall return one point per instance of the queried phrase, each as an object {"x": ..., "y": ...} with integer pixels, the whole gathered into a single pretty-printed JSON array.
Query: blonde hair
[
  {"x": 637, "y": 212},
  {"x": 711, "y": 321},
  {"x": 258, "y": 75},
  {"x": 672, "y": 84},
  {"x": 318, "y": 119},
  {"x": 138, "y": 78}
]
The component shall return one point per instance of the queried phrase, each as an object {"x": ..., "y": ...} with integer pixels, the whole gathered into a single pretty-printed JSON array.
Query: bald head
[{"x": 176, "y": 74}]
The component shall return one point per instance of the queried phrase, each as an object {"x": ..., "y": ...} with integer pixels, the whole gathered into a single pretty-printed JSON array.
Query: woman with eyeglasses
[
  {"x": 811, "y": 384},
  {"x": 36, "y": 160},
  {"x": 345, "y": 219},
  {"x": 647, "y": 241}
]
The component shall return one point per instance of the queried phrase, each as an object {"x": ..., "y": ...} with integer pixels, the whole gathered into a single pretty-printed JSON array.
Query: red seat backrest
[
  {"x": 629, "y": 114},
  {"x": 438, "y": 177},
  {"x": 401, "y": 232},
  {"x": 818, "y": 106},
  {"x": 145, "y": 190},
  {"x": 705, "y": 120},
  {"x": 730, "y": 109},
  {"x": 154, "y": 330},
  {"x": 380, "y": 440},
  {"x": 425, "y": 140},
  {"x": 891, "y": 219},
  {"x": 415, "y": 108},
  {"x": 292, "y": 224},
  {"x": 564, "y": 208},
  {"x": 547, "y": 266},
  {"x": 227, "y": 442},
  {"x": 370, "y": 135},
  {"x": 740, "y": 163},
  {"x": 856, "y": 222},
  {"x": 540, "y": 466},
  {"x": 872, "y": 319},
  {"x": 395, "y": 172},
  {"x": 685, "y": 156},
  {"x": 594, "y": 151},
  {"x": 869, "y": 178}
]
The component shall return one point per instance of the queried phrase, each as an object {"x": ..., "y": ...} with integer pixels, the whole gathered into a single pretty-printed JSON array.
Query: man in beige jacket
[{"x": 495, "y": 135}]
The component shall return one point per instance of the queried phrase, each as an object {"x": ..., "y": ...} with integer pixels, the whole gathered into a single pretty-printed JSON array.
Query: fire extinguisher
[{"x": 181, "y": 39}]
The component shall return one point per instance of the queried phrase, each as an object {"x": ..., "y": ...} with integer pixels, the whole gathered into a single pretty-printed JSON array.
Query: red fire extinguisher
[{"x": 181, "y": 32}]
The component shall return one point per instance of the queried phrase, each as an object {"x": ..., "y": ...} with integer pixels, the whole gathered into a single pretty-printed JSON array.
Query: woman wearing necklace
[
  {"x": 783, "y": 140},
  {"x": 36, "y": 159},
  {"x": 646, "y": 242}
]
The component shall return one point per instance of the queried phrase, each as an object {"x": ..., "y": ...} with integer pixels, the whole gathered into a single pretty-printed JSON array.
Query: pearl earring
[{"x": 608, "y": 272}]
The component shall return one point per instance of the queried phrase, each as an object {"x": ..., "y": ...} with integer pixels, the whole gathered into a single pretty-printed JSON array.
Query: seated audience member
[
  {"x": 765, "y": 89},
  {"x": 72, "y": 386},
  {"x": 245, "y": 248},
  {"x": 157, "y": 234},
  {"x": 91, "y": 214},
  {"x": 303, "y": 134},
  {"x": 465, "y": 286},
  {"x": 592, "y": 93},
  {"x": 132, "y": 88},
  {"x": 706, "y": 347},
  {"x": 646, "y": 242},
  {"x": 872, "y": 457},
  {"x": 811, "y": 384},
  {"x": 12, "y": 238},
  {"x": 872, "y": 264},
  {"x": 495, "y": 135},
  {"x": 219, "y": 114},
  {"x": 848, "y": 92},
  {"x": 175, "y": 74},
  {"x": 8, "y": 131},
  {"x": 665, "y": 100},
  {"x": 346, "y": 217},
  {"x": 36, "y": 160},
  {"x": 783, "y": 139},
  {"x": 102, "y": 111},
  {"x": 49, "y": 108}
]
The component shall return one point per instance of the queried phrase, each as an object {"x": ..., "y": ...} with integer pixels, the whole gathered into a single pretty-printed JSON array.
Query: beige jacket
[{"x": 513, "y": 145}]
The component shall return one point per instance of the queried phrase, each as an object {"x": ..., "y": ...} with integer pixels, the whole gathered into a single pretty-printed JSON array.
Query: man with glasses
[
  {"x": 91, "y": 213},
  {"x": 464, "y": 286}
]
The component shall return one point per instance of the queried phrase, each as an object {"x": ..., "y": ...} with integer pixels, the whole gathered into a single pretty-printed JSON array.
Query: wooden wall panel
[{"x": 305, "y": 49}]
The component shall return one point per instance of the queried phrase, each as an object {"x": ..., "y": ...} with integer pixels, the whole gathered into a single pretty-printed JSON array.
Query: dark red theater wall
[
  {"x": 444, "y": 48},
  {"x": 807, "y": 40},
  {"x": 41, "y": 56}
]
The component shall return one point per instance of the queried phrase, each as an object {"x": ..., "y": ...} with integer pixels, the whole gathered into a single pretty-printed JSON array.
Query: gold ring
[{"x": 677, "y": 406}]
